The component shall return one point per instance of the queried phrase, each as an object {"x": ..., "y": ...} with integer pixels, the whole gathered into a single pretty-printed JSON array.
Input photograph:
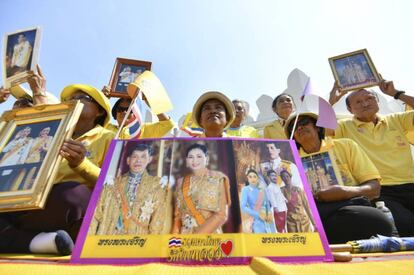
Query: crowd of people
[{"x": 371, "y": 151}]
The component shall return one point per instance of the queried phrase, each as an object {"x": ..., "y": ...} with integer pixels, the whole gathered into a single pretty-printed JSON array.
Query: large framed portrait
[
  {"x": 29, "y": 153},
  {"x": 321, "y": 170},
  {"x": 354, "y": 70},
  {"x": 196, "y": 201},
  {"x": 20, "y": 56},
  {"x": 125, "y": 71}
]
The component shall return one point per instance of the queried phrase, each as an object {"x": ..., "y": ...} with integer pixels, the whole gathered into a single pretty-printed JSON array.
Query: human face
[
  {"x": 20, "y": 38},
  {"x": 196, "y": 159},
  {"x": 26, "y": 132},
  {"x": 284, "y": 106},
  {"x": 285, "y": 177},
  {"x": 363, "y": 105},
  {"x": 273, "y": 151},
  {"x": 252, "y": 179},
  {"x": 213, "y": 115},
  {"x": 91, "y": 110},
  {"x": 240, "y": 112},
  {"x": 273, "y": 177},
  {"x": 121, "y": 110},
  {"x": 306, "y": 130},
  {"x": 45, "y": 132},
  {"x": 138, "y": 161}
]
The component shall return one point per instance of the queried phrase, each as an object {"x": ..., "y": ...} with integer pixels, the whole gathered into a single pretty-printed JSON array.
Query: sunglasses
[
  {"x": 302, "y": 121},
  {"x": 85, "y": 98}
]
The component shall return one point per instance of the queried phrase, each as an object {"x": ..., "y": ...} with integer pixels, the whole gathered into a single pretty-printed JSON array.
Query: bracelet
[{"x": 398, "y": 94}]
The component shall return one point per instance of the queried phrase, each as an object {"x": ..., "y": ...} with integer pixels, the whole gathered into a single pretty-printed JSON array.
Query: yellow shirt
[
  {"x": 150, "y": 130},
  {"x": 354, "y": 165},
  {"x": 97, "y": 142},
  {"x": 243, "y": 131},
  {"x": 385, "y": 144},
  {"x": 274, "y": 130}
]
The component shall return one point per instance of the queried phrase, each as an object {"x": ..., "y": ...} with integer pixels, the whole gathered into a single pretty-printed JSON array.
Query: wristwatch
[{"x": 398, "y": 94}]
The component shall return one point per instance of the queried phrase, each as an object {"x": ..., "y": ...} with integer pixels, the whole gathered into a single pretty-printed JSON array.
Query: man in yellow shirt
[
  {"x": 342, "y": 220},
  {"x": 383, "y": 138},
  {"x": 237, "y": 129},
  {"x": 53, "y": 229}
]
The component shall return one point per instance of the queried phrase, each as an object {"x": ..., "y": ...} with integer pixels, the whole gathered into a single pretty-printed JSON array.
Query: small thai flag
[
  {"x": 135, "y": 123},
  {"x": 174, "y": 242}
]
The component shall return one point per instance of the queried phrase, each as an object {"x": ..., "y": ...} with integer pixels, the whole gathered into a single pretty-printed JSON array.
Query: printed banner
[{"x": 211, "y": 201}]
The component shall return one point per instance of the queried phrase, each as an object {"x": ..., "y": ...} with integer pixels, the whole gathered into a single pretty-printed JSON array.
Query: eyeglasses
[
  {"x": 81, "y": 97},
  {"x": 302, "y": 121}
]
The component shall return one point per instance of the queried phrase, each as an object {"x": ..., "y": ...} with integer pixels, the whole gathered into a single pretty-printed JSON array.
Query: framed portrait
[
  {"x": 321, "y": 170},
  {"x": 20, "y": 56},
  {"x": 29, "y": 152},
  {"x": 125, "y": 71},
  {"x": 354, "y": 70},
  {"x": 177, "y": 200}
]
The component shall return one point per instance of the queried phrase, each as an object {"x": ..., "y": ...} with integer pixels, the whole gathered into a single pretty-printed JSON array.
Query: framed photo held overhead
[
  {"x": 30, "y": 140},
  {"x": 354, "y": 70},
  {"x": 125, "y": 71},
  {"x": 20, "y": 55}
]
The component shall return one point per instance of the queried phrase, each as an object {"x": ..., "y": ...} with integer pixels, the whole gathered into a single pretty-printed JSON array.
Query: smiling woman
[{"x": 213, "y": 112}]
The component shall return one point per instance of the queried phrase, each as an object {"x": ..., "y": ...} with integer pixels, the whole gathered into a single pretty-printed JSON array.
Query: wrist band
[{"x": 398, "y": 94}]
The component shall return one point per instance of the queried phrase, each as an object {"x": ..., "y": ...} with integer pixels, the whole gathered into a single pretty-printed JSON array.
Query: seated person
[
  {"x": 54, "y": 229},
  {"x": 384, "y": 140},
  {"x": 237, "y": 129},
  {"x": 360, "y": 178},
  {"x": 214, "y": 112},
  {"x": 283, "y": 105},
  {"x": 148, "y": 130}
]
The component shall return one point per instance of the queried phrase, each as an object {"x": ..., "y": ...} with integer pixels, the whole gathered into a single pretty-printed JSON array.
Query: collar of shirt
[{"x": 358, "y": 123}]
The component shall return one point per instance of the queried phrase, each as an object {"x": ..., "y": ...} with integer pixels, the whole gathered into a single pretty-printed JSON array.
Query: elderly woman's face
[
  {"x": 284, "y": 105},
  {"x": 306, "y": 130},
  {"x": 196, "y": 159},
  {"x": 213, "y": 115},
  {"x": 252, "y": 178}
]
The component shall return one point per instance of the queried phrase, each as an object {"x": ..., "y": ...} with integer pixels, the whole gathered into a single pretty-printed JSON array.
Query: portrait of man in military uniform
[
  {"x": 135, "y": 203},
  {"x": 274, "y": 162}
]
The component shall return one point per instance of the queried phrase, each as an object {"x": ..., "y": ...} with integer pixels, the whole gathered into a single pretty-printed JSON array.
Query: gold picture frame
[
  {"x": 20, "y": 55},
  {"x": 321, "y": 170},
  {"x": 30, "y": 140},
  {"x": 354, "y": 70},
  {"x": 125, "y": 71}
]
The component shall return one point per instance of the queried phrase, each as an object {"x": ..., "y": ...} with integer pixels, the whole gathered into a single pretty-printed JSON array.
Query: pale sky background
[{"x": 242, "y": 48}]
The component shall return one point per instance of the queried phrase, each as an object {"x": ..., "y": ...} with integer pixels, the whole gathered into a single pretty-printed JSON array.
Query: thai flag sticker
[{"x": 174, "y": 242}]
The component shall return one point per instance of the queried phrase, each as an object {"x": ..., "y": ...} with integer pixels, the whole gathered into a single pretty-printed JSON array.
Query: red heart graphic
[{"x": 226, "y": 247}]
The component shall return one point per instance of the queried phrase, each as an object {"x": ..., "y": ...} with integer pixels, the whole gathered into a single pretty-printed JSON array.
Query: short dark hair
[
  {"x": 141, "y": 147},
  {"x": 285, "y": 171},
  {"x": 274, "y": 103},
  {"x": 270, "y": 172},
  {"x": 119, "y": 101},
  {"x": 202, "y": 147}
]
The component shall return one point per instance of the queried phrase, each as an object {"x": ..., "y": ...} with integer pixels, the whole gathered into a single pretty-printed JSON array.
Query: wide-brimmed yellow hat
[
  {"x": 97, "y": 95},
  {"x": 292, "y": 117},
  {"x": 213, "y": 95}
]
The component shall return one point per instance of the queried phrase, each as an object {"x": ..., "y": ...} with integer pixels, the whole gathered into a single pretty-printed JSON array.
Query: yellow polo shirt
[
  {"x": 150, "y": 130},
  {"x": 385, "y": 144},
  {"x": 97, "y": 142},
  {"x": 274, "y": 130},
  {"x": 243, "y": 131},
  {"x": 353, "y": 164}
]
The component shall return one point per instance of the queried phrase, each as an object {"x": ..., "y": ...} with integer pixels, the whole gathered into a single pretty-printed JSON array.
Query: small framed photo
[
  {"x": 29, "y": 153},
  {"x": 321, "y": 170},
  {"x": 354, "y": 70},
  {"x": 125, "y": 71},
  {"x": 20, "y": 56}
]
